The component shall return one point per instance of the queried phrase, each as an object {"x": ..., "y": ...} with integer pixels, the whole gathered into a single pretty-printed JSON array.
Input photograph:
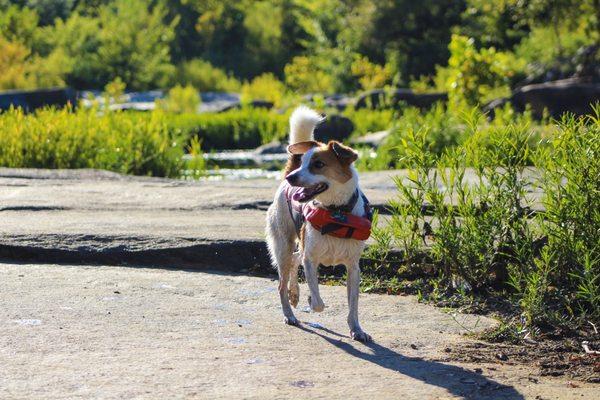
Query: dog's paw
[
  {"x": 291, "y": 321},
  {"x": 316, "y": 305},
  {"x": 361, "y": 336},
  {"x": 294, "y": 297}
]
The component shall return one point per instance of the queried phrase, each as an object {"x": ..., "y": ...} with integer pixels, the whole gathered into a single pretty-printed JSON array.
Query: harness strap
[{"x": 299, "y": 213}]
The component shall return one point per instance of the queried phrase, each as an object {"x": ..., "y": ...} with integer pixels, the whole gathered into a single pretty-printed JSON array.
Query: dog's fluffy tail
[{"x": 302, "y": 124}]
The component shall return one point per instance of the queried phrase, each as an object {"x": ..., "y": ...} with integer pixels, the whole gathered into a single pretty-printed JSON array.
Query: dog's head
[{"x": 326, "y": 170}]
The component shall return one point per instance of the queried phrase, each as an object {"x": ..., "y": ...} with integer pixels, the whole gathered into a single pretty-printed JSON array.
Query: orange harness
[{"x": 338, "y": 222}]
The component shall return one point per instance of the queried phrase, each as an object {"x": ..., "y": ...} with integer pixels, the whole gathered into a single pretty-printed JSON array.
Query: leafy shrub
[
  {"x": 129, "y": 143},
  {"x": 477, "y": 76},
  {"x": 264, "y": 87},
  {"x": 369, "y": 75},
  {"x": 366, "y": 120},
  {"x": 181, "y": 100},
  {"x": 18, "y": 24},
  {"x": 205, "y": 77},
  {"x": 481, "y": 233},
  {"x": 547, "y": 48},
  {"x": 235, "y": 129},
  {"x": 115, "y": 90},
  {"x": 442, "y": 129},
  {"x": 22, "y": 70},
  {"x": 13, "y": 57},
  {"x": 303, "y": 75}
]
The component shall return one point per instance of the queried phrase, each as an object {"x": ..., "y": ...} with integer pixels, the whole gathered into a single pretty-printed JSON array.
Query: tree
[
  {"x": 135, "y": 43},
  {"x": 413, "y": 34}
]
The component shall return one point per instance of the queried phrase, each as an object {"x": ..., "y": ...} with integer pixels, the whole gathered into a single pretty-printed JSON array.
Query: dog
[{"x": 320, "y": 179}]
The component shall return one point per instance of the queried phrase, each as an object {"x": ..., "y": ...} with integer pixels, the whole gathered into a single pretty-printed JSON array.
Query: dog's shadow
[{"x": 456, "y": 380}]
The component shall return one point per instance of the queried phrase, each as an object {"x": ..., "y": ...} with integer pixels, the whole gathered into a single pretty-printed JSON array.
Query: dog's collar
[{"x": 347, "y": 208}]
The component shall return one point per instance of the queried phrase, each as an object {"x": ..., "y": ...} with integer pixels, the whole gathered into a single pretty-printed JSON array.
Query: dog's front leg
[
  {"x": 352, "y": 287},
  {"x": 315, "y": 301}
]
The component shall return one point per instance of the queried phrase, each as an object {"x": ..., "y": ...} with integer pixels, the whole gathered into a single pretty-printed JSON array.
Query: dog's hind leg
[
  {"x": 284, "y": 267},
  {"x": 294, "y": 287},
  {"x": 281, "y": 249},
  {"x": 281, "y": 241}
]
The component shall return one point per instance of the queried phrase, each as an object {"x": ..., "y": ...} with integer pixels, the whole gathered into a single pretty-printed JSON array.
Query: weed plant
[{"x": 510, "y": 212}]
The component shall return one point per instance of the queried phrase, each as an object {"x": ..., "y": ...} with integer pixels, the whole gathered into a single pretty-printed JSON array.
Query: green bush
[
  {"x": 236, "y": 129},
  {"x": 206, "y": 78},
  {"x": 442, "y": 129},
  {"x": 368, "y": 121},
  {"x": 264, "y": 87},
  {"x": 304, "y": 75},
  {"x": 181, "y": 100},
  {"x": 481, "y": 234},
  {"x": 478, "y": 76},
  {"x": 129, "y": 143}
]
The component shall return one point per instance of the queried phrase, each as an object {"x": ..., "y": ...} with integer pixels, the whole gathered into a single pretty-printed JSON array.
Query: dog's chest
[{"x": 329, "y": 250}]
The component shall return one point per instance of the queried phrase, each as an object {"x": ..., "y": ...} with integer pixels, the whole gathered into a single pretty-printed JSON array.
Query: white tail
[{"x": 302, "y": 124}]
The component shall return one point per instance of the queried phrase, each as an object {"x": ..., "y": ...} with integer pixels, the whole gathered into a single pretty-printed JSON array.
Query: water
[{"x": 238, "y": 164}]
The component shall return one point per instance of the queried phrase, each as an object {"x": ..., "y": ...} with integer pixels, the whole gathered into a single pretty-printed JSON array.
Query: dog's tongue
[{"x": 303, "y": 194}]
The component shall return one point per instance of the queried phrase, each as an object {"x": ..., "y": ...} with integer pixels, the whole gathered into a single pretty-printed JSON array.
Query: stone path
[{"x": 80, "y": 332}]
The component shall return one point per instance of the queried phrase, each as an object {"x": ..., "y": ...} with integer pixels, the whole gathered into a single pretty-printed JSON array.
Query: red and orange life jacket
[{"x": 338, "y": 222}]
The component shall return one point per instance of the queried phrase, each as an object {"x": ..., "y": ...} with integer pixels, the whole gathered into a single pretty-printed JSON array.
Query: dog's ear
[
  {"x": 301, "y": 147},
  {"x": 344, "y": 153}
]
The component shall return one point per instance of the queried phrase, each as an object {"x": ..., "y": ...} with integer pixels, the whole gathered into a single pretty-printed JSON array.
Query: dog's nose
[{"x": 292, "y": 179}]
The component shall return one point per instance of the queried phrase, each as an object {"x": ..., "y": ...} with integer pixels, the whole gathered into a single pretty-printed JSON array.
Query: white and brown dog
[{"x": 323, "y": 176}]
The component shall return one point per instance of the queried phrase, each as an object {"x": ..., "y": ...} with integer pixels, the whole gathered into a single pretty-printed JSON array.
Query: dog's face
[{"x": 324, "y": 167}]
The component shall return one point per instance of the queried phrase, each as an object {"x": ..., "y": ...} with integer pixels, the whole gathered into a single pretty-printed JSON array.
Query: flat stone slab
[
  {"x": 102, "y": 217},
  {"x": 91, "y": 216},
  {"x": 122, "y": 333}
]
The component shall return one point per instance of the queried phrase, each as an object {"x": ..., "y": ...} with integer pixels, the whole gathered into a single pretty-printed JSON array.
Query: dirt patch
[{"x": 551, "y": 357}]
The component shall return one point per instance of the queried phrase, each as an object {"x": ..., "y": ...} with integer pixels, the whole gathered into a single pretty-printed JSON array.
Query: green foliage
[
  {"x": 477, "y": 76},
  {"x": 313, "y": 46},
  {"x": 115, "y": 90},
  {"x": 181, "y": 100},
  {"x": 371, "y": 76},
  {"x": 440, "y": 128},
  {"x": 252, "y": 37},
  {"x": 549, "y": 48},
  {"x": 22, "y": 70},
  {"x": 129, "y": 143},
  {"x": 480, "y": 233},
  {"x": 303, "y": 75},
  {"x": 264, "y": 87},
  {"x": 206, "y": 78},
  {"x": 77, "y": 41},
  {"x": 196, "y": 164},
  {"x": 236, "y": 129},
  {"x": 414, "y": 51},
  {"x": 134, "y": 43},
  {"x": 19, "y": 25},
  {"x": 366, "y": 120}
]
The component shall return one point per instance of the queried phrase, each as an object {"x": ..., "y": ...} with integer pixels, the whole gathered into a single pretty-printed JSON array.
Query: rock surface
[
  {"x": 121, "y": 333},
  {"x": 374, "y": 139},
  {"x": 555, "y": 98},
  {"x": 88, "y": 216},
  {"x": 398, "y": 98}
]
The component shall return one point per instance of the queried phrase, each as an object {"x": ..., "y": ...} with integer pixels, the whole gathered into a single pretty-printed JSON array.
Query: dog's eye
[{"x": 318, "y": 164}]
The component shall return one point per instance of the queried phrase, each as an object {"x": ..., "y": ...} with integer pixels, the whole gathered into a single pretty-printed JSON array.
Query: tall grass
[
  {"x": 129, "y": 143},
  {"x": 236, "y": 129},
  {"x": 509, "y": 211}
]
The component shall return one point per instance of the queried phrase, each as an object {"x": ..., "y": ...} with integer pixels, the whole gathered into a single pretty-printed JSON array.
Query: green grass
[
  {"x": 236, "y": 129},
  {"x": 129, "y": 143}
]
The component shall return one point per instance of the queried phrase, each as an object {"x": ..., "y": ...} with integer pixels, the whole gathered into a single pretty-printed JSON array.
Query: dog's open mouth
[{"x": 305, "y": 194}]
